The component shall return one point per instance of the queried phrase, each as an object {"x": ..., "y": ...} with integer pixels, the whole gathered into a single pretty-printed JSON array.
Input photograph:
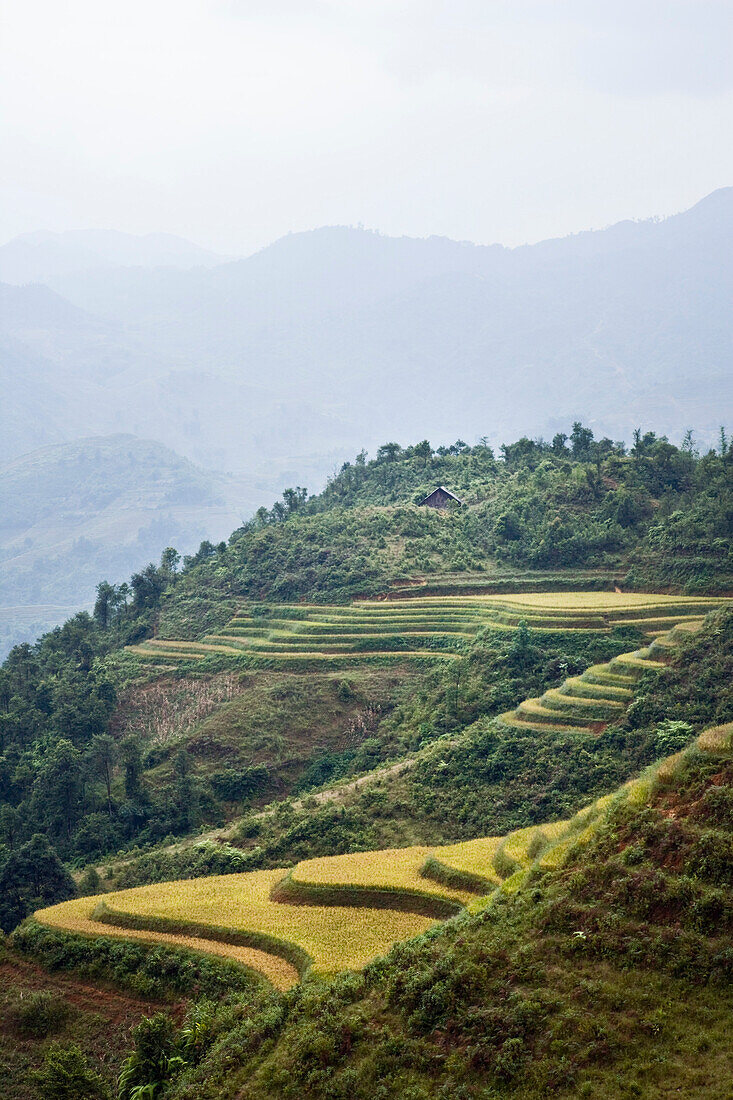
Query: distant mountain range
[
  {"x": 277, "y": 367},
  {"x": 337, "y": 338},
  {"x": 39, "y": 257}
]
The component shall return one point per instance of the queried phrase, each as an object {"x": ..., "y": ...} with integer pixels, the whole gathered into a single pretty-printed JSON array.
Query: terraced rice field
[
  {"x": 240, "y": 917},
  {"x": 586, "y": 703},
  {"x": 76, "y": 916},
  {"x": 237, "y": 916},
  {"x": 468, "y": 583},
  {"x": 473, "y": 860},
  {"x": 430, "y": 626},
  {"x": 393, "y": 878},
  {"x": 238, "y": 907},
  {"x": 352, "y": 908}
]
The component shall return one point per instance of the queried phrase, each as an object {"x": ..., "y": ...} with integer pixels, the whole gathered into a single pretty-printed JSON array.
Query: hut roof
[{"x": 441, "y": 489}]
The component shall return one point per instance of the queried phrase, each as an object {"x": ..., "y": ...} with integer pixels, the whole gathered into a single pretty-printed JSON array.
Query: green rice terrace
[
  {"x": 431, "y": 626},
  {"x": 601, "y": 693}
]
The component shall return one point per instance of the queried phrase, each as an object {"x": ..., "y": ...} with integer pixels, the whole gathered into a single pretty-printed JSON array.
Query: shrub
[
  {"x": 66, "y": 1075},
  {"x": 503, "y": 864},
  {"x": 711, "y": 858},
  {"x": 672, "y": 736},
  {"x": 510, "y": 1058},
  {"x": 345, "y": 691},
  {"x": 716, "y": 807},
  {"x": 198, "y": 860},
  {"x": 153, "y": 971},
  {"x": 90, "y": 882},
  {"x": 235, "y": 784},
  {"x": 38, "y": 1015},
  {"x": 153, "y": 1061}
]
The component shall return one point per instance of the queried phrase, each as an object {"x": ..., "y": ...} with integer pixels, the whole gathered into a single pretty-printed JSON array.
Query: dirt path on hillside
[{"x": 333, "y": 793}]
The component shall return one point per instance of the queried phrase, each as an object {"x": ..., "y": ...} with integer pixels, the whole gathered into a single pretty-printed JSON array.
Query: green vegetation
[
  {"x": 97, "y": 762},
  {"x": 450, "y": 771},
  {"x": 151, "y": 970},
  {"x": 532, "y": 996},
  {"x": 66, "y": 1028},
  {"x": 490, "y": 777},
  {"x": 259, "y": 692},
  {"x": 587, "y": 506},
  {"x": 61, "y": 698},
  {"x": 32, "y": 876}
]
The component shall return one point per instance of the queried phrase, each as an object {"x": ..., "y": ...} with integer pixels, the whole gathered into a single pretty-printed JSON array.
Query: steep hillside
[
  {"x": 608, "y": 977},
  {"x": 453, "y": 764},
  {"x": 571, "y": 514},
  {"x": 652, "y": 516},
  {"x": 344, "y": 726},
  {"x": 576, "y": 975}
]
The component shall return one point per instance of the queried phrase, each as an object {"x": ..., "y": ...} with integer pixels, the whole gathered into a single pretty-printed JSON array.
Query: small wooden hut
[{"x": 441, "y": 498}]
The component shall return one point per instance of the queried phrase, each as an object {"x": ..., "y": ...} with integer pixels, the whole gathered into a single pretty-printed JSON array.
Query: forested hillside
[
  {"x": 119, "y": 767},
  {"x": 657, "y": 516},
  {"x": 654, "y": 515}
]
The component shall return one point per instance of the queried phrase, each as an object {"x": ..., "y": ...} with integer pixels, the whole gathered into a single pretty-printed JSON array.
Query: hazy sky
[{"x": 234, "y": 121}]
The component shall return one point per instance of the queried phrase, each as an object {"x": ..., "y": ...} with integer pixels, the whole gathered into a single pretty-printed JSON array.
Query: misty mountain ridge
[
  {"x": 41, "y": 256},
  {"x": 285, "y": 363}
]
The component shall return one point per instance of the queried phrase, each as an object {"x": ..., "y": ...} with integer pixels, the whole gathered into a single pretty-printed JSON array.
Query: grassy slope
[
  {"x": 607, "y": 977},
  {"x": 428, "y": 552},
  {"x": 274, "y": 718},
  {"x": 340, "y": 881}
]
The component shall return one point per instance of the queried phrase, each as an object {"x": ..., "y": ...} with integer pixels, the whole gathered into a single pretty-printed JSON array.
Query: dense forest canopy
[{"x": 661, "y": 513}]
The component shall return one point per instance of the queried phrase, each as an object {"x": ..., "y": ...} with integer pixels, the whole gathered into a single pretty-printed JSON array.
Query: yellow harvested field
[
  {"x": 391, "y": 868},
  {"x": 340, "y": 937},
  {"x": 716, "y": 738},
  {"x": 336, "y": 938},
  {"x": 472, "y": 856},
  {"x": 75, "y": 916},
  {"x": 690, "y": 626},
  {"x": 517, "y": 844}
]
